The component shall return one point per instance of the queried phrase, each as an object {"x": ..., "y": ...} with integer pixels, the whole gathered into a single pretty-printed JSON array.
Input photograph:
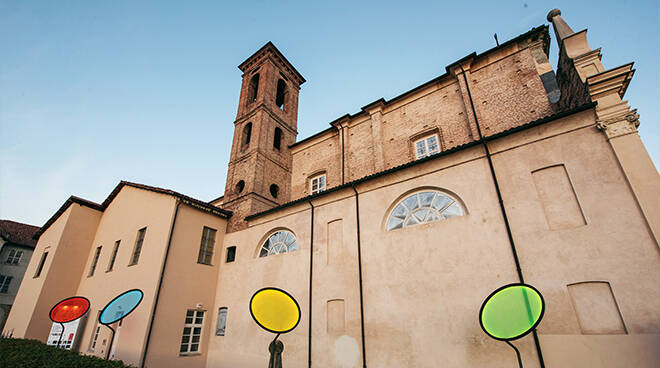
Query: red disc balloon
[{"x": 69, "y": 309}]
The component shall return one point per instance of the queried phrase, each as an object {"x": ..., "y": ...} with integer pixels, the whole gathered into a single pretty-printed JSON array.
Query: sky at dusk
[{"x": 94, "y": 92}]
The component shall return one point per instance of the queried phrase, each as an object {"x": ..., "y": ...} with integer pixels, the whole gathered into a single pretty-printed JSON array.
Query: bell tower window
[
  {"x": 277, "y": 138},
  {"x": 279, "y": 96},
  {"x": 274, "y": 190},
  {"x": 253, "y": 88},
  {"x": 247, "y": 134}
]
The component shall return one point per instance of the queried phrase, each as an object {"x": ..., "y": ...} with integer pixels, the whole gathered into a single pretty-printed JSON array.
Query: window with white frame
[
  {"x": 281, "y": 241},
  {"x": 14, "y": 256},
  {"x": 222, "y": 322},
  {"x": 206, "y": 246},
  {"x": 421, "y": 207},
  {"x": 192, "y": 332},
  {"x": 4, "y": 283},
  {"x": 317, "y": 184},
  {"x": 426, "y": 146}
]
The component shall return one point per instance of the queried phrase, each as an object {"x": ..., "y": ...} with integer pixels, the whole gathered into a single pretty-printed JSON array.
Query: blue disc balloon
[{"x": 120, "y": 306}]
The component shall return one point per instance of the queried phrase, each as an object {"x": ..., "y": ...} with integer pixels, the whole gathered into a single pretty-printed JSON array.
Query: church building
[{"x": 390, "y": 227}]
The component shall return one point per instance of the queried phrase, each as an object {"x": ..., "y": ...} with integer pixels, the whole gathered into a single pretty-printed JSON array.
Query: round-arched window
[
  {"x": 422, "y": 207},
  {"x": 281, "y": 241},
  {"x": 274, "y": 190}
]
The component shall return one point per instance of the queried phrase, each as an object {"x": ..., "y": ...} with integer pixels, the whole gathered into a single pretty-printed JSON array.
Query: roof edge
[
  {"x": 384, "y": 102},
  {"x": 101, "y": 207},
  {"x": 507, "y": 132}
]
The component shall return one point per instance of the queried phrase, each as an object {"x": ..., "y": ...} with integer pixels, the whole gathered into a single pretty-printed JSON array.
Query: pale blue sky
[{"x": 93, "y": 92}]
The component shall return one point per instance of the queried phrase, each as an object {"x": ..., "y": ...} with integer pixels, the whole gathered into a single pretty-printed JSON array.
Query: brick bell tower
[{"x": 259, "y": 173}]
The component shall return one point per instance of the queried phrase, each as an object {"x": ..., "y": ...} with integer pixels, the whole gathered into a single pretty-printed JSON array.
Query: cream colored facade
[{"x": 578, "y": 193}]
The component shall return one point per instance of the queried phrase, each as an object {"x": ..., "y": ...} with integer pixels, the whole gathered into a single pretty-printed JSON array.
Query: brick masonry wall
[
  {"x": 506, "y": 89},
  {"x": 509, "y": 93},
  {"x": 324, "y": 156},
  {"x": 359, "y": 151},
  {"x": 441, "y": 110},
  {"x": 573, "y": 90}
]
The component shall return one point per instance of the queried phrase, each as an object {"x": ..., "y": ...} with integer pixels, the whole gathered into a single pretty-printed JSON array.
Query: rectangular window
[
  {"x": 95, "y": 336},
  {"x": 427, "y": 146},
  {"x": 231, "y": 254},
  {"x": 317, "y": 184},
  {"x": 4, "y": 283},
  {"x": 114, "y": 256},
  {"x": 94, "y": 262},
  {"x": 138, "y": 246},
  {"x": 14, "y": 256},
  {"x": 41, "y": 264},
  {"x": 192, "y": 332},
  {"x": 222, "y": 322},
  {"x": 206, "y": 246}
]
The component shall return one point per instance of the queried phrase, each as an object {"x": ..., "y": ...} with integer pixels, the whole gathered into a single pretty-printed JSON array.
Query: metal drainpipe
[
  {"x": 160, "y": 284},
  {"x": 357, "y": 220},
  {"x": 311, "y": 267},
  {"x": 502, "y": 209}
]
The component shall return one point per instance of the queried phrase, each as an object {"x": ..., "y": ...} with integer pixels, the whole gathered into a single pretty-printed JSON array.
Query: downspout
[
  {"x": 359, "y": 249},
  {"x": 502, "y": 209},
  {"x": 311, "y": 267},
  {"x": 160, "y": 284}
]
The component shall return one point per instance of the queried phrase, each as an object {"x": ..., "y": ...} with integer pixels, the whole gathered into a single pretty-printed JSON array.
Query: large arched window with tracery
[
  {"x": 422, "y": 207},
  {"x": 281, "y": 241}
]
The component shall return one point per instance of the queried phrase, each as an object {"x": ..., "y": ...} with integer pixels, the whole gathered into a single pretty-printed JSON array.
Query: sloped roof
[
  {"x": 18, "y": 233},
  {"x": 101, "y": 207}
]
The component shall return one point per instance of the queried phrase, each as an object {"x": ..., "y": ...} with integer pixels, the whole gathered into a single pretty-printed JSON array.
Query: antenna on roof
[{"x": 496, "y": 41}]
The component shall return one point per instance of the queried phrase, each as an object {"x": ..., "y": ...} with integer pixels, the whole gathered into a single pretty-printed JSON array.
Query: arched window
[
  {"x": 253, "y": 87},
  {"x": 277, "y": 138},
  {"x": 239, "y": 186},
  {"x": 274, "y": 190},
  {"x": 421, "y": 207},
  {"x": 247, "y": 134},
  {"x": 279, "y": 96},
  {"x": 281, "y": 241}
]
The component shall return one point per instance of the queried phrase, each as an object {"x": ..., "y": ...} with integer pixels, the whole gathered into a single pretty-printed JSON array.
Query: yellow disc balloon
[{"x": 275, "y": 310}]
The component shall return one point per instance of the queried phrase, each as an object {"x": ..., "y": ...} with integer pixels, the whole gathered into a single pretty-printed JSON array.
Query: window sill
[
  {"x": 205, "y": 264},
  {"x": 189, "y": 354}
]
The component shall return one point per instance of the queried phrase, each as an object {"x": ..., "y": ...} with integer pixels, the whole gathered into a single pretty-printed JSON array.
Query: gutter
[
  {"x": 359, "y": 249},
  {"x": 502, "y": 208},
  {"x": 160, "y": 284},
  {"x": 311, "y": 266}
]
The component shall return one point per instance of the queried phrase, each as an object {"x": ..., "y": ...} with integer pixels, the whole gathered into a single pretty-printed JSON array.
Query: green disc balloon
[{"x": 511, "y": 311}]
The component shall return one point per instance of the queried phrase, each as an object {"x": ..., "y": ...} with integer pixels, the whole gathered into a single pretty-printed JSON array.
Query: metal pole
[
  {"x": 107, "y": 355},
  {"x": 61, "y": 333},
  {"x": 517, "y": 353}
]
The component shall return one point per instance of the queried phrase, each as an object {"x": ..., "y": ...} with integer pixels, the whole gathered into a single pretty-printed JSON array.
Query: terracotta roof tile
[{"x": 18, "y": 233}]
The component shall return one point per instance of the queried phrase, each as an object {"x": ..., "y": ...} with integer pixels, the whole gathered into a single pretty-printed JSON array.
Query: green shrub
[{"x": 22, "y": 353}]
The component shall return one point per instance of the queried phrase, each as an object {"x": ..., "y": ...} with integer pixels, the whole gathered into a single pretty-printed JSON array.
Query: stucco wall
[
  {"x": 614, "y": 245},
  {"x": 131, "y": 210},
  {"x": 245, "y": 344},
  {"x": 186, "y": 284}
]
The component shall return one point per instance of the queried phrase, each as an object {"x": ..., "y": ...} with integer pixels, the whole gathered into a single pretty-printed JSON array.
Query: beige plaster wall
[
  {"x": 424, "y": 284},
  {"x": 131, "y": 210},
  {"x": 245, "y": 344},
  {"x": 186, "y": 284},
  {"x": 67, "y": 241},
  {"x": 614, "y": 245}
]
